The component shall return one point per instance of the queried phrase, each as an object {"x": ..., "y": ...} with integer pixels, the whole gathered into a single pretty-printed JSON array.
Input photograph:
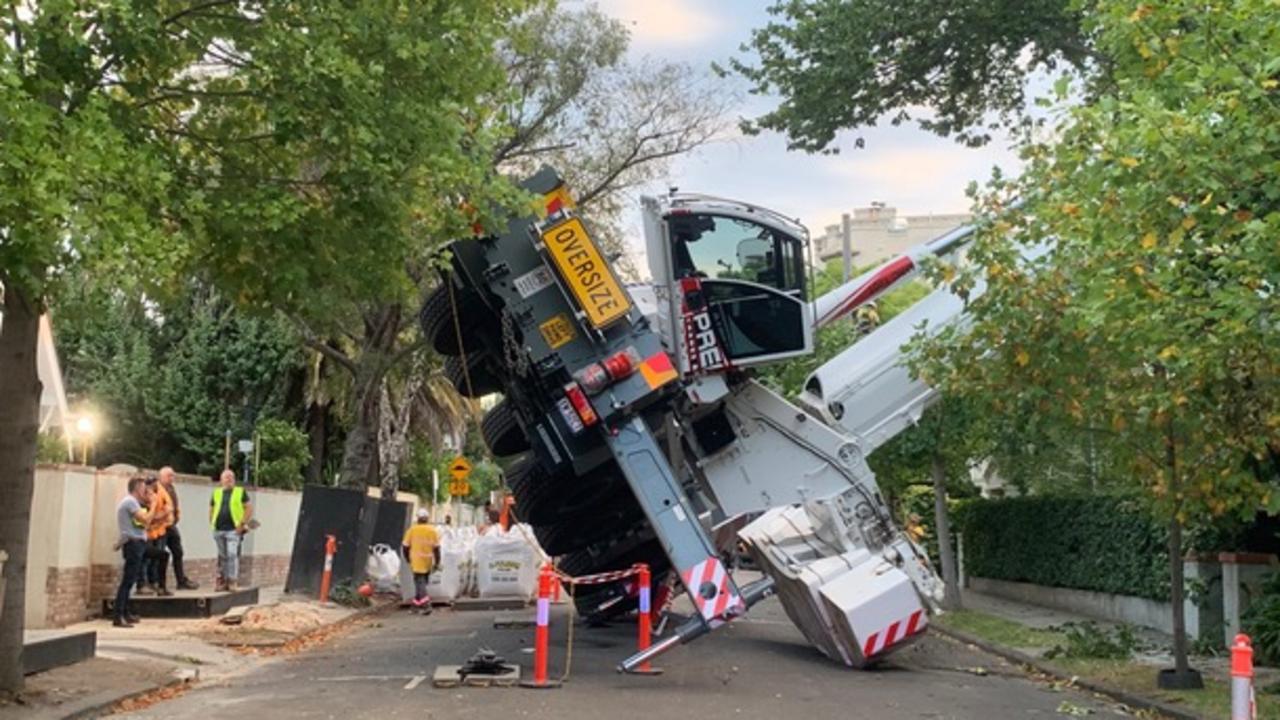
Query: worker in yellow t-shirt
[{"x": 421, "y": 547}]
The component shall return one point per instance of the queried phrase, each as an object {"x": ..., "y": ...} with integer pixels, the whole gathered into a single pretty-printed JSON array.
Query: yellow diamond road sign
[{"x": 459, "y": 468}]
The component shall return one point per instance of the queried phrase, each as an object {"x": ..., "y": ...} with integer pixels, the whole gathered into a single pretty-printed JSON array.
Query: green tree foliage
[
  {"x": 956, "y": 68},
  {"x": 1153, "y": 317},
  {"x": 169, "y": 379},
  {"x": 952, "y": 430},
  {"x": 52, "y": 448},
  {"x": 834, "y": 339},
  {"x": 270, "y": 148},
  {"x": 1261, "y": 621},
  {"x": 415, "y": 477},
  {"x": 941, "y": 447},
  {"x": 283, "y": 454}
]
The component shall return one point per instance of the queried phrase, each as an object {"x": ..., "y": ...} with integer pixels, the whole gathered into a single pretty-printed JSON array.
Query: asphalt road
[{"x": 758, "y": 667}]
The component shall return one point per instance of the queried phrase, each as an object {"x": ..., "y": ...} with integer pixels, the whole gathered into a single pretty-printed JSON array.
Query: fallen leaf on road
[
  {"x": 1060, "y": 685},
  {"x": 1069, "y": 708},
  {"x": 146, "y": 700},
  {"x": 979, "y": 671}
]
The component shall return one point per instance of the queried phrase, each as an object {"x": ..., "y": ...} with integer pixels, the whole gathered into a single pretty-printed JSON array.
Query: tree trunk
[
  {"x": 360, "y": 452},
  {"x": 1176, "y": 596},
  {"x": 1176, "y": 590},
  {"x": 942, "y": 525},
  {"x": 19, "y": 423},
  {"x": 393, "y": 433},
  {"x": 317, "y": 440}
]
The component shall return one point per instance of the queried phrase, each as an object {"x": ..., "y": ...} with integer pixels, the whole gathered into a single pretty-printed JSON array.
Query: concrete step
[
  {"x": 185, "y": 603},
  {"x": 47, "y": 649}
]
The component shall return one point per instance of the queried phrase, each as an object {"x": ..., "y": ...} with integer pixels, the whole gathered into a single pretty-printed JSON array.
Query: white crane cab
[{"x": 731, "y": 281}]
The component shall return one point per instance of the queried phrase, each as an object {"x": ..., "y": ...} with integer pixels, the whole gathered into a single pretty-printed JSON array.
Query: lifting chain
[{"x": 517, "y": 360}]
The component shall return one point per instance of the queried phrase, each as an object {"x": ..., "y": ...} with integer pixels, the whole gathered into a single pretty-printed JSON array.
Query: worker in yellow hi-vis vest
[
  {"x": 229, "y": 514},
  {"x": 421, "y": 547}
]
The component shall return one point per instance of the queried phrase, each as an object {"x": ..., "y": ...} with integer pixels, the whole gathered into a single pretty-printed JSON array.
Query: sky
[{"x": 903, "y": 166}]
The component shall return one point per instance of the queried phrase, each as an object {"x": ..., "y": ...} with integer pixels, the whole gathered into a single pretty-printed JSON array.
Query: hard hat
[{"x": 424, "y": 514}]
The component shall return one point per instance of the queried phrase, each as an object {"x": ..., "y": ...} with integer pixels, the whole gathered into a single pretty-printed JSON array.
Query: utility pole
[{"x": 846, "y": 241}]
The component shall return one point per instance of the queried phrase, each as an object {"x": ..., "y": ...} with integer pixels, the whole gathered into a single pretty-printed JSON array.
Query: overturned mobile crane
[{"x": 639, "y": 429}]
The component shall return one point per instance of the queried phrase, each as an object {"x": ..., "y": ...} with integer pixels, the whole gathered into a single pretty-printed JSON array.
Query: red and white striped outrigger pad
[
  {"x": 711, "y": 573},
  {"x": 898, "y": 631}
]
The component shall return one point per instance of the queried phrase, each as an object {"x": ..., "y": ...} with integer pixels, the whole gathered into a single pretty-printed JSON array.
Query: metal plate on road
[
  {"x": 585, "y": 271},
  {"x": 533, "y": 281},
  {"x": 557, "y": 331}
]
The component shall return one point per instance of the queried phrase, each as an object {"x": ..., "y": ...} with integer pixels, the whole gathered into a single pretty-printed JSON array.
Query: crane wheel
[
  {"x": 502, "y": 433},
  {"x": 436, "y": 320},
  {"x": 483, "y": 382},
  {"x": 548, "y": 498}
]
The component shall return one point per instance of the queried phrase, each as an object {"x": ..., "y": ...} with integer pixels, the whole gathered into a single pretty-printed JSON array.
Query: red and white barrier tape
[{"x": 598, "y": 578}]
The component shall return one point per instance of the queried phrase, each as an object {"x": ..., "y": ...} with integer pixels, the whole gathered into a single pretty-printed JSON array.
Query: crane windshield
[{"x": 729, "y": 248}]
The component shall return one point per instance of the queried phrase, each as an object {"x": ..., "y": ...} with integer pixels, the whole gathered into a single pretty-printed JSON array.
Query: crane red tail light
[{"x": 581, "y": 404}]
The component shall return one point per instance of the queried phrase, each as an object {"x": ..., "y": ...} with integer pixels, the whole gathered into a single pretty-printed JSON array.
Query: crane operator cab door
[{"x": 742, "y": 291}]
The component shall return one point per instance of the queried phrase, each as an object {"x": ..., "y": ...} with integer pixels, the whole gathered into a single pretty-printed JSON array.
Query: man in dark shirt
[{"x": 229, "y": 514}]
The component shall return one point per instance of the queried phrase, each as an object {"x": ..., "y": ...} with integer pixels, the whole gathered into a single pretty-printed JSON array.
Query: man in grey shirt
[{"x": 131, "y": 519}]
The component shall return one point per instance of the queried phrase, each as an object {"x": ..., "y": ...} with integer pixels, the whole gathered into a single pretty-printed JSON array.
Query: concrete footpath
[{"x": 164, "y": 656}]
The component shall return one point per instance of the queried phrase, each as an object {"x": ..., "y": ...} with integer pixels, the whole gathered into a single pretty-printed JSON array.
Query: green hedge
[{"x": 1103, "y": 543}]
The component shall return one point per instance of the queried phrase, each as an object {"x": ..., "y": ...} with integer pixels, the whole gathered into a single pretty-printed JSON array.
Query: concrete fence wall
[
  {"x": 1219, "y": 588},
  {"x": 72, "y": 563}
]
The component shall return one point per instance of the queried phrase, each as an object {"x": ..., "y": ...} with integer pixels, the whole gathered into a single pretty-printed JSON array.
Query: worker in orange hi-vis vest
[
  {"x": 156, "y": 556},
  {"x": 421, "y": 547}
]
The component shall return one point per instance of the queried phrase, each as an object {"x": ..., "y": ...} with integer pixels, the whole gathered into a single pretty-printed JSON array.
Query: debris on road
[{"x": 1069, "y": 708}]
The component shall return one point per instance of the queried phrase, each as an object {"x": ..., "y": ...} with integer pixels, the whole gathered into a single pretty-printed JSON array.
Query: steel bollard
[
  {"x": 1243, "y": 706},
  {"x": 330, "y": 548}
]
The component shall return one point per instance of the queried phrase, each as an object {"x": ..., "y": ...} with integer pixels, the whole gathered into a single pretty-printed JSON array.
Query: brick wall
[
  {"x": 67, "y": 590},
  {"x": 102, "y": 580},
  {"x": 264, "y": 570}
]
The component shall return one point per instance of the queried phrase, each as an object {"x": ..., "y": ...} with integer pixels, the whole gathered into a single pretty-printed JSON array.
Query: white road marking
[
  {"x": 417, "y": 680},
  {"x": 359, "y": 678}
]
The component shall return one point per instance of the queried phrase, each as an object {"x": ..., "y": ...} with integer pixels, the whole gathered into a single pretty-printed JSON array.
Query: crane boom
[{"x": 876, "y": 282}]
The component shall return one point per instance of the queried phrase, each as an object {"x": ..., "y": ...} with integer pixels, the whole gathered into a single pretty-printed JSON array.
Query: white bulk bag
[
  {"x": 447, "y": 581},
  {"x": 383, "y": 568},
  {"x": 505, "y": 565}
]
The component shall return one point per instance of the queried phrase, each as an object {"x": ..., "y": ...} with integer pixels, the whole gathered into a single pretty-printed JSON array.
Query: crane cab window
[{"x": 726, "y": 248}]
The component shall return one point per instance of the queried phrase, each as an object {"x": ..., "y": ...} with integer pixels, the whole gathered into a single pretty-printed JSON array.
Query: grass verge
[
  {"x": 1214, "y": 701},
  {"x": 1001, "y": 631},
  {"x": 1138, "y": 678}
]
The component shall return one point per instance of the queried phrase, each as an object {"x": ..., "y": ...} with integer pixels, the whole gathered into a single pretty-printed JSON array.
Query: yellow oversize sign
[{"x": 585, "y": 271}]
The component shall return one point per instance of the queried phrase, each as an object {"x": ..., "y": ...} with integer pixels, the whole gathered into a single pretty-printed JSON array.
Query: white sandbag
[
  {"x": 447, "y": 582},
  {"x": 505, "y": 565},
  {"x": 383, "y": 568},
  {"x": 467, "y": 536}
]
